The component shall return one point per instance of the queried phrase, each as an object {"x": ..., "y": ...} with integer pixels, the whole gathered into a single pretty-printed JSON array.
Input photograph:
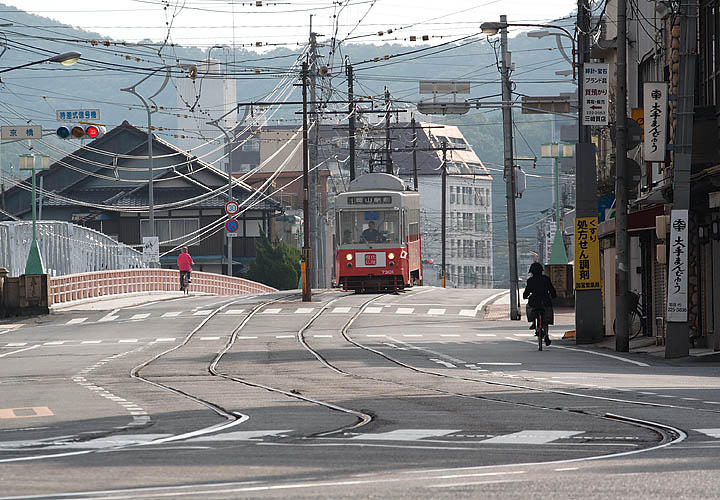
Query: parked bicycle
[{"x": 636, "y": 323}]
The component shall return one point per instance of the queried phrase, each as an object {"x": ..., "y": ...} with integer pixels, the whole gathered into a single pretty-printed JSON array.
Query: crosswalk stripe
[
  {"x": 405, "y": 310},
  {"x": 468, "y": 312},
  {"x": 271, "y": 311},
  {"x": 713, "y": 433},
  {"x": 204, "y": 312},
  {"x": 172, "y": 314},
  {"x": 341, "y": 310},
  {"x": 435, "y": 312},
  {"x": 373, "y": 310},
  {"x": 76, "y": 321},
  {"x": 304, "y": 310},
  {"x": 531, "y": 437},
  {"x": 141, "y": 316},
  {"x": 235, "y": 311}
]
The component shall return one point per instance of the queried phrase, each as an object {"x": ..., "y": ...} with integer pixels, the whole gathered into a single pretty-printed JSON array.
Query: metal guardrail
[
  {"x": 99, "y": 284},
  {"x": 66, "y": 248}
]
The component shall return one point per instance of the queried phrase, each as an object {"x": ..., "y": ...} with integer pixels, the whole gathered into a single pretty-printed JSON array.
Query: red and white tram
[{"x": 378, "y": 235}]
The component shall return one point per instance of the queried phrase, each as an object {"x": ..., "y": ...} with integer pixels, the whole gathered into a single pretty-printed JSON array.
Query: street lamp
[
  {"x": 492, "y": 28},
  {"x": 66, "y": 59},
  {"x": 34, "y": 264}
]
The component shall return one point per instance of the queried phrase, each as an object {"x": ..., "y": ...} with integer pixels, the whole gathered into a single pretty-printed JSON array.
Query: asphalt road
[{"x": 350, "y": 396}]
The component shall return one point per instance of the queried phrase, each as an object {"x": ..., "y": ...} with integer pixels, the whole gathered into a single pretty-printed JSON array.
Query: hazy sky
[{"x": 211, "y": 22}]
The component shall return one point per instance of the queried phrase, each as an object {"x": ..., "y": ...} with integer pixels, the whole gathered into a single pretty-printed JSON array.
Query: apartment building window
[
  {"x": 172, "y": 231},
  {"x": 251, "y": 145}
]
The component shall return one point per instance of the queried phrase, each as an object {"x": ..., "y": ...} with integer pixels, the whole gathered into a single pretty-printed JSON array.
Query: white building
[{"x": 202, "y": 99}]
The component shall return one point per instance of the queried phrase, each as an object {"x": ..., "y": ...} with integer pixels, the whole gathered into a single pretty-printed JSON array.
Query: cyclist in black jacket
[{"x": 539, "y": 293}]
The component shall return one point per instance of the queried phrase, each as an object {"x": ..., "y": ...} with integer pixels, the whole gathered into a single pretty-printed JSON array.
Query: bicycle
[
  {"x": 185, "y": 282},
  {"x": 540, "y": 328},
  {"x": 636, "y": 323}
]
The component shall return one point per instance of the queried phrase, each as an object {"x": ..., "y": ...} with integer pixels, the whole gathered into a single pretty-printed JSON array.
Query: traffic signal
[{"x": 80, "y": 131}]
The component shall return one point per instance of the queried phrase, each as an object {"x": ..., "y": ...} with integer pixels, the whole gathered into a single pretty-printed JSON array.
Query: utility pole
[
  {"x": 622, "y": 258},
  {"x": 509, "y": 169},
  {"x": 588, "y": 303},
  {"x": 414, "y": 151},
  {"x": 388, "y": 157},
  {"x": 351, "y": 121},
  {"x": 318, "y": 268},
  {"x": 678, "y": 332},
  {"x": 306, "y": 261},
  {"x": 443, "y": 223}
]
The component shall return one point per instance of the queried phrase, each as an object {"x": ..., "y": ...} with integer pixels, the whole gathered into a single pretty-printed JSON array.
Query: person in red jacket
[{"x": 185, "y": 263}]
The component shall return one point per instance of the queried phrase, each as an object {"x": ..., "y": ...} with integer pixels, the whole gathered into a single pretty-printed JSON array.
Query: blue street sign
[{"x": 231, "y": 226}]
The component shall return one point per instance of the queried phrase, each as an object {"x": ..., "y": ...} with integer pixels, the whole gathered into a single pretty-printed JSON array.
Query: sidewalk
[
  {"x": 648, "y": 345},
  {"x": 499, "y": 310},
  {"x": 110, "y": 302}
]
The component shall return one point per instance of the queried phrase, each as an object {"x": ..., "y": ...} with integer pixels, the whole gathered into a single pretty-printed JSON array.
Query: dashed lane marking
[
  {"x": 203, "y": 312},
  {"x": 523, "y": 334},
  {"x": 11, "y": 326},
  {"x": 323, "y": 336},
  {"x": 209, "y": 338},
  {"x": 171, "y": 314},
  {"x": 449, "y": 335},
  {"x": 447, "y": 364},
  {"x": 91, "y": 341},
  {"x": 304, "y": 310},
  {"x": 16, "y": 344},
  {"x": 341, "y": 310},
  {"x": 55, "y": 342},
  {"x": 26, "y": 412},
  {"x": 76, "y": 321},
  {"x": 165, "y": 339},
  {"x": 271, "y": 311},
  {"x": 405, "y": 434},
  {"x": 235, "y": 311},
  {"x": 405, "y": 310},
  {"x": 409, "y": 335},
  {"x": 468, "y": 312},
  {"x": 141, "y": 316},
  {"x": 111, "y": 316},
  {"x": 373, "y": 310},
  {"x": 436, "y": 312},
  {"x": 485, "y": 335},
  {"x": 246, "y": 338},
  {"x": 284, "y": 336},
  {"x": 127, "y": 341}
]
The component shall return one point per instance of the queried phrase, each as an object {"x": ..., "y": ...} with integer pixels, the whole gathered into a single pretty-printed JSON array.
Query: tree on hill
[{"x": 276, "y": 264}]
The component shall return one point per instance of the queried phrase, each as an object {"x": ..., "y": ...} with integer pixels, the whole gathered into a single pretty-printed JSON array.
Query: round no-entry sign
[
  {"x": 231, "y": 226},
  {"x": 232, "y": 207}
]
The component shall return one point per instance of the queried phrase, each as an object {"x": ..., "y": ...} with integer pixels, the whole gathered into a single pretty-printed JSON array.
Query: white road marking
[
  {"x": 468, "y": 312},
  {"x": 485, "y": 335},
  {"x": 109, "y": 316},
  {"x": 405, "y": 310},
  {"x": 19, "y": 350},
  {"x": 564, "y": 469},
  {"x": 304, "y": 310},
  {"x": 373, "y": 310},
  {"x": 76, "y": 321},
  {"x": 497, "y": 363},
  {"x": 713, "y": 433},
  {"x": 246, "y": 338},
  {"x": 284, "y": 336},
  {"x": 434, "y": 312},
  {"x": 405, "y": 434},
  {"x": 271, "y": 311},
  {"x": 172, "y": 314},
  {"x": 449, "y": 335},
  {"x": 16, "y": 344},
  {"x": 341, "y": 310},
  {"x": 91, "y": 341},
  {"x": 141, "y": 316},
  {"x": 619, "y": 358},
  {"x": 209, "y": 338},
  {"x": 235, "y": 311},
  {"x": 323, "y": 336},
  {"x": 443, "y": 362},
  {"x": 532, "y": 437},
  {"x": 127, "y": 341},
  {"x": 375, "y": 336},
  {"x": 412, "y": 335},
  {"x": 165, "y": 339},
  {"x": 204, "y": 312},
  {"x": 523, "y": 334},
  {"x": 55, "y": 342}
]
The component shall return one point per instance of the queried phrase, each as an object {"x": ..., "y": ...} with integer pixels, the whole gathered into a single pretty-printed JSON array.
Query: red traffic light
[{"x": 80, "y": 131}]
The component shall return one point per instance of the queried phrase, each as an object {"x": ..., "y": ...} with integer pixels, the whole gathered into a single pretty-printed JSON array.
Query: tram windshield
[{"x": 369, "y": 226}]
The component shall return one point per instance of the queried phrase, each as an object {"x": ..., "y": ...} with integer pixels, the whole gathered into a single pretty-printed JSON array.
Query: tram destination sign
[{"x": 370, "y": 200}]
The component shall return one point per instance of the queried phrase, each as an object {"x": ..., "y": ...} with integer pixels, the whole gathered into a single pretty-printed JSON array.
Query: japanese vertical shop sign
[
  {"x": 678, "y": 267},
  {"x": 595, "y": 98},
  {"x": 587, "y": 254},
  {"x": 655, "y": 117}
]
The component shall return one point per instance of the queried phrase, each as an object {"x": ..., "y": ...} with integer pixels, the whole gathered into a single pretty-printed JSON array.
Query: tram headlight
[
  {"x": 348, "y": 256},
  {"x": 391, "y": 256}
]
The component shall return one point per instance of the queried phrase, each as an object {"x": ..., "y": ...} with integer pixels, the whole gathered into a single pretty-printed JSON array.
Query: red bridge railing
[{"x": 98, "y": 284}]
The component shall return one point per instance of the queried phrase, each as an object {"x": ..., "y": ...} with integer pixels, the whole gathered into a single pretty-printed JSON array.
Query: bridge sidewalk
[{"x": 110, "y": 302}]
